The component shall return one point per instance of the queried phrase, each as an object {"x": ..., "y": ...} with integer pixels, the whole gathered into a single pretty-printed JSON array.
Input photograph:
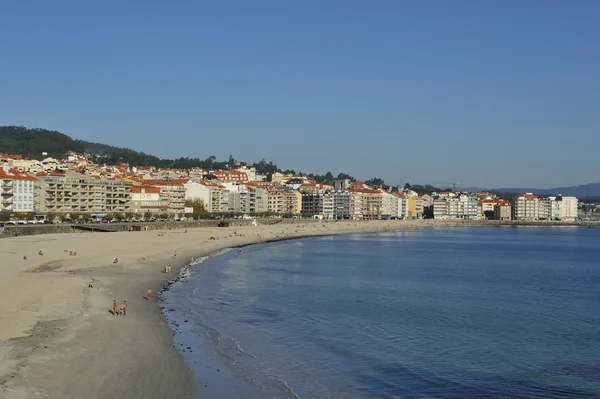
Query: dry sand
[{"x": 57, "y": 336}]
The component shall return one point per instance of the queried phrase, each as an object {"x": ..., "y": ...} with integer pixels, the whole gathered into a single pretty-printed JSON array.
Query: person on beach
[
  {"x": 149, "y": 294},
  {"x": 121, "y": 309},
  {"x": 169, "y": 269},
  {"x": 115, "y": 307},
  {"x": 124, "y": 308}
]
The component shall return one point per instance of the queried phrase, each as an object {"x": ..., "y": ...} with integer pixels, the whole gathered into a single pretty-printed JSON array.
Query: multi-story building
[
  {"x": 568, "y": 208},
  {"x": 214, "y": 196},
  {"x": 502, "y": 210},
  {"x": 281, "y": 201},
  {"x": 526, "y": 207},
  {"x": 462, "y": 207},
  {"x": 401, "y": 206},
  {"x": 313, "y": 203},
  {"x": 545, "y": 208},
  {"x": 556, "y": 208},
  {"x": 257, "y": 199},
  {"x": 73, "y": 192},
  {"x": 172, "y": 192},
  {"x": 330, "y": 204},
  {"x": 341, "y": 204},
  {"x": 16, "y": 191},
  {"x": 389, "y": 205},
  {"x": 440, "y": 208},
  {"x": 365, "y": 203},
  {"x": 488, "y": 207},
  {"x": 232, "y": 176},
  {"x": 147, "y": 199}
]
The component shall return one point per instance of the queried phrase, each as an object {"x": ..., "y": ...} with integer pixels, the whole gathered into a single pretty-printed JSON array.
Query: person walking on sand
[
  {"x": 149, "y": 294},
  {"x": 169, "y": 269},
  {"x": 115, "y": 307},
  {"x": 124, "y": 308}
]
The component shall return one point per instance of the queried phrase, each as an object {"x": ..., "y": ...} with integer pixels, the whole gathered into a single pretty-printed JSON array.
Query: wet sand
[{"x": 57, "y": 336}]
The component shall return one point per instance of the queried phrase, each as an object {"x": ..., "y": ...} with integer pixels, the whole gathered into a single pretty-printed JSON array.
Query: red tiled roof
[
  {"x": 14, "y": 174},
  {"x": 147, "y": 189}
]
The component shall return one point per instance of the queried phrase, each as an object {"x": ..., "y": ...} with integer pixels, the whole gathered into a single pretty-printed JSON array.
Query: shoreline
[{"x": 49, "y": 315}]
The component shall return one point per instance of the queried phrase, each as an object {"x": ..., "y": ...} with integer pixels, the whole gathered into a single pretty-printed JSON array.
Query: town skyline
[
  {"x": 44, "y": 140},
  {"x": 494, "y": 95}
]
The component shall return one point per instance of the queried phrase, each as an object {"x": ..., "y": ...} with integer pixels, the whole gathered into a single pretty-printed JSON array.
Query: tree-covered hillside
[{"x": 31, "y": 143}]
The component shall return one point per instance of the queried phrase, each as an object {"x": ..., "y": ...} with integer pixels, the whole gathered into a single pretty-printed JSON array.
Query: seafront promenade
[
  {"x": 26, "y": 230},
  {"x": 55, "y": 307}
]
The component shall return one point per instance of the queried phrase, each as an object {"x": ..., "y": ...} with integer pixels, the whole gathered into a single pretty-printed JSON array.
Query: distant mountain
[{"x": 585, "y": 190}]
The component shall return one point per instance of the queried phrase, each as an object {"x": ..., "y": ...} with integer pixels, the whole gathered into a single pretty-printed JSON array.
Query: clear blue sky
[{"x": 495, "y": 93}]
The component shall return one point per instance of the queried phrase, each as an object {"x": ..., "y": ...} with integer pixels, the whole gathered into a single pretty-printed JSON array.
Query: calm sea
[{"x": 467, "y": 312}]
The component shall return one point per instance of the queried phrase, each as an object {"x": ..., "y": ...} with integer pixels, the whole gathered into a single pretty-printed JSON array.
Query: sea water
[{"x": 465, "y": 312}]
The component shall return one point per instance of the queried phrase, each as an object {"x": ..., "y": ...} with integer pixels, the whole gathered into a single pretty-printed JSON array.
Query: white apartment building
[
  {"x": 462, "y": 207},
  {"x": 147, "y": 199},
  {"x": 388, "y": 205},
  {"x": 16, "y": 191},
  {"x": 555, "y": 209},
  {"x": 569, "y": 208},
  {"x": 401, "y": 206},
  {"x": 214, "y": 196},
  {"x": 545, "y": 208}
]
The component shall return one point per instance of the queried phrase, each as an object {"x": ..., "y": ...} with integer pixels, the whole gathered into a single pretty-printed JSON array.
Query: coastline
[{"x": 57, "y": 337}]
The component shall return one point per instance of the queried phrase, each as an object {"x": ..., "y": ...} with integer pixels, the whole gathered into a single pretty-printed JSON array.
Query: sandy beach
[{"x": 58, "y": 338}]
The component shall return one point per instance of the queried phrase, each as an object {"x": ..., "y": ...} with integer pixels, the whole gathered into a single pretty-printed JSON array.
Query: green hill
[{"x": 32, "y": 142}]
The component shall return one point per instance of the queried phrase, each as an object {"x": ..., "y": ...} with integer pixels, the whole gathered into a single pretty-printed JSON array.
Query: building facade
[
  {"x": 73, "y": 193},
  {"x": 16, "y": 191},
  {"x": 502, "y": 211},
  {"x": 526, "y": 207}
]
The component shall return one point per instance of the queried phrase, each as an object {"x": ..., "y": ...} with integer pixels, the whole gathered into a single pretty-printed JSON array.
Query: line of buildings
[{"x": 75, "y": 185}]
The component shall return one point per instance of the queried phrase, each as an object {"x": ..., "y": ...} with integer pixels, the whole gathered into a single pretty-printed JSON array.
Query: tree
[
  {"x": 344, "y": 176},
  {"x": 375, "y": 182},
  {"x": 407, "y": 186},
  {"x": 119, "y": 216},
  {"x": 196, "y": 204},
  {"x": 75, "y": 216},
  {"x": 164, "y": 215},
  {"x": 129, "y": 215},
  {"x": 5, "y": 216},
  {"x": 147, "y": 215}
]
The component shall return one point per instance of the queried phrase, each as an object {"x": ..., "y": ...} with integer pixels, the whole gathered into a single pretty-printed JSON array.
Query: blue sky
[{"x": 494, "y": 93}]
